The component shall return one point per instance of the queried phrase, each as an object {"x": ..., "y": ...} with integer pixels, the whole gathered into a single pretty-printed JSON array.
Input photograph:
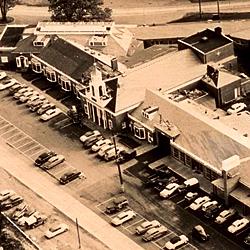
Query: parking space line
[
  {"x": 134, "y": 223},
  {"x": 19, "y": 140},
  {"x": 27, "y": 143},
  {"x": 30, "y": 149},
  {"x": 66, "y": 125},
  {"x": 8, "y": 131},
  {"x": 178, "y": 202},
  {"x": 6, "y": 125},
  {"x": 100, "y": 204},
  {"x": 19, "y": 132},
  {"x": 37, "y": 151},
  {"x": 65, "y": 119},
  {"x": 153, "y": 242}
]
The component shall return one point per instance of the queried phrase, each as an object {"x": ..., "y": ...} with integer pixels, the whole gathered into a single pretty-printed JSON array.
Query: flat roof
[{"x": 11, "y": 35}]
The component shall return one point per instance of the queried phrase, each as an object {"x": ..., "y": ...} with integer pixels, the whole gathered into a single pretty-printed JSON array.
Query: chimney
[
  {"x": 114, "y": 64},
  {"x": 218, "y": 30}
]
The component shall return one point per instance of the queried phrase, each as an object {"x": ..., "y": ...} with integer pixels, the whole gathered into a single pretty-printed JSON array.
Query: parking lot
[{"x": 130, "y": 228}]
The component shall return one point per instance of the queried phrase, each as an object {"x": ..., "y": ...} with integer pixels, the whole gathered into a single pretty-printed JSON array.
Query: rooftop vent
[
  {"x": 41, "y": 41},
  {"x": 149, "y": 112},
  {"x": 204, "y": 39}
]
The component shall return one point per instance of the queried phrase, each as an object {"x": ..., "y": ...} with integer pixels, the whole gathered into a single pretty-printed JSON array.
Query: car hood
[{"x": 116, "y": 221}]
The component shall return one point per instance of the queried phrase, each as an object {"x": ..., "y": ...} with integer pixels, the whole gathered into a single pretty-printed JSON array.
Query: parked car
[
  {"x": 225, "y": 215},
  {"x": 104, "y": 149},
  {"x": 213, "y": 211},
  {"x": 88, "y": 135},
  {"x": 19, "y": 211},
  {"x": 100, "y": 143},
  {"x": 190, "y": 196},
  {"x": 28, "y": 212},
  {"x": 25, "y": 97},
  {"x": 45, "y": 107},
  {"x": 145, "y": 226},
  {"x": 53, "y": 161},
  {"x": 117, "y": 204},
  {"x": 56, "y": 230},
  {"x": 21, "y": 91},
  {"x": 35, "y": 105},
  {"x": 6, "y": 194},
  {"x": 169, "y": 190},
  {"x": 162, "y": 170},
  {"x": 247, "y": 240},
  {"x": 199, "y": 202},
  {"x": 34, "y": 98},
  {"x": 7, "y": 83},
  {"x": 35, "y": 220},
  {"x": 237, "y": 107},
  {"x": 70, "y": 176},
  {"x": 155, "y": 233},
  {"x": 2, "y": 75},
  {"x": 49, "y": 114},
  {"x": 13, "y": 201},
  {"x": 200, "y": 233},
  {"x": 126, "y": 155},
  {"x": 189, "y": 185},
  {"x": 17, "y": 86},
  {"x": 112, "y": 153},
  {"x": 238, "y": 225},
  {"x": 42, "y": 158},
  {"x": 176, "y": 242},
  {"x": 123, "y": 217},
  {"x": 91, "y": 141},
  {"x": 208, "y": 205}
]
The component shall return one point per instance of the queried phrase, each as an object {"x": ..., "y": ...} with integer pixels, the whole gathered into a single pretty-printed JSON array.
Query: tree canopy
[
  {"x": 79, "y": 10},
  {"x": 5, "y": 6}
]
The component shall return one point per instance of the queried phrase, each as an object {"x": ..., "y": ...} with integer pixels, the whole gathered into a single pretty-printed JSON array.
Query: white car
[
  {"x": 88, "y": 135},
  {"x": 208, "y": 205},
  {"x": 237, "y": 225},
  {"x": 100, "y": 143},
  {"x": 104, "y": 149},
  {"x": 21, "y": 91},
  {"x": 199, "y": 202},
  {"x": 49, "y": 114},
  {"x": 25, "y": 97},
  {"x": 33, "y": 98},
  {"x": 169, "y": 189},
  {"x": 123, "y": 217},
  {"x": 53, "y": 161},
  {"x": 176, "y": 242},
  {"x": 111, "y": 153},
  {"x": 235, "y": 108},
  {"x": 45, "y": 107},
  {"x": 7, "y": 83},
  {"x": 6, "y": 194},
  {"x": 190, "y": 196},
  {"x": 2, "y": 75},
  {"x": 145, "y": 226},
  {"x": 225, "y": 215},
  {"x": 56, "y": 230}
]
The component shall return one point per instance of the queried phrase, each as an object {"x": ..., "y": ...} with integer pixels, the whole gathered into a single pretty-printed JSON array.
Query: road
[{"x": 147, "y": 14}]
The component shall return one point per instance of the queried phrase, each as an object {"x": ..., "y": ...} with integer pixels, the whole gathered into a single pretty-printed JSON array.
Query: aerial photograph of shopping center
[{"x": 124, "y": 124}]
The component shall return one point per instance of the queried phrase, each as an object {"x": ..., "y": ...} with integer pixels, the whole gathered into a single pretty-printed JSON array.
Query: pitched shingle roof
[{"x": 11, "y": 36}]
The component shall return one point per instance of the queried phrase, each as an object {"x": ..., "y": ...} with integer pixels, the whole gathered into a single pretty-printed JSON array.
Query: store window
[
  {"x": 36, "y": 66},
  {"x": 124, "y": 125},
  {"x": 86, "y": 110},
  {"x": 51, "y": 75},
  {"x": 110, "y": 122},
  {"x": 175, "y": 153},
  {"x": 188, "y": 161},
  {"x": 65, "y": 83},
  {"x": 139, "y": 132}
]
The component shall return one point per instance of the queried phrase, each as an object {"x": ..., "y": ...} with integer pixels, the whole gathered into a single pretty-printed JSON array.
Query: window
[
  {"x": 182, "y": 157},
  {"x": 188, "y": 161},
  {"x": 100, "y": 91},
  {"x": 65, "y": 83},
  {"x": 175, "y": 153},
  {"x": 150, "y": 137},
  {"x": 36, "y": 66},
  {"x": 51, "y": 75},
  {"x": 18, "y": 62},
  {"x": 86, "y": 110},
  {"x": 139, "y": 132},
  {"x": 110, "y": 122},
  {"x": 124, "y": 125},
  {"x": 93, "y": 90},
  {"x": 4, "y": 59}
]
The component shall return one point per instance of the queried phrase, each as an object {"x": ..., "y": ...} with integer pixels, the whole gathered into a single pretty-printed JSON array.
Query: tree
[
  {"x": 5, "y": 6},
  {"x": 79, "y": 10}
]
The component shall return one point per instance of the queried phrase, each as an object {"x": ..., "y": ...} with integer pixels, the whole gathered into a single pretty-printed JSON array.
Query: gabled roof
[
  {"x": 66, "y": 57},
  {"x": 164, "y": 72},
  {"x": 11, "y": 35},
  {"x": 208, "y": 139}
]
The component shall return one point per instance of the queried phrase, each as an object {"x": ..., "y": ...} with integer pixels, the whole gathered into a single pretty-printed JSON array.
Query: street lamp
[
  {"x": 118, "y": 165},
  {"x": 200, "y": 8}
]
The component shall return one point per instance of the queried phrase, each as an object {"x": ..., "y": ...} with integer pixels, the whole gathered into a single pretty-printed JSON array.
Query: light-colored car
[
  {"x": 53, "y": 161},
  {"x": 12, "y": 201},
  {"x": 199, "y": 202},
  {"x": 49, "y": 114},
  {"x": 237, "y": 107},
  {"x": 145, "y": 226},
  {"x": 21, "y": 91},
  {"x": 238, "y": 225},
  {"x": 190, "y": 196},
  {"x": 35, "y": 105},
  {"x": 123, "y": 217},
  {"x": 225, "y": 215},
  {"x": 6, "y": 194},
  {"x": 104, "y": 149},
  {"x": 2, "y": 75},
  {"x": 33, "y": 98},
  {"x": 25, "y": 97},
  {"x": 56, "y": 230},
  {"x": 208, "y": 205},
  {"x": 155, "y": 233},
  {"x": 28, "y": 212},
  {"x": 19, "y": 211},
  {"x": 100, "y": 143},
  {"x": 169, "y": 190},
  {"x": 176, "y": 242},
  {"x": 45, "y": 107},
  {"x": 112, "y": 153},
  {"x": 35, "y": 220},
  {"x": 88, "y": 135},
  {"x": 7, "y": 83}
]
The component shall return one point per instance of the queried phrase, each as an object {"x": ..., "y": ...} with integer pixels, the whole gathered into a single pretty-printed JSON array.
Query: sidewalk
[{"x": 20, "y": 167}]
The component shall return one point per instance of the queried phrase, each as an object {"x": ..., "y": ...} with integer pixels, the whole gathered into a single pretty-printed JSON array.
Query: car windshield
[
  {"x": 224, "y": 214},
  {"x": 51, "y": 111},
  {"x": 175, "y": 240},
  {"x": 170, "y": 187},
  {"x": 121, "y": 216},
  {"x": 89, "y": 133},
  {"x": 54, "y": 229}
]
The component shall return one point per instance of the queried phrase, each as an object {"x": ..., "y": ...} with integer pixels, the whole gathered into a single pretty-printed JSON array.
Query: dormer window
[
  {"x": 149, "y": 112},
  {"x": 36, "y": 66}
]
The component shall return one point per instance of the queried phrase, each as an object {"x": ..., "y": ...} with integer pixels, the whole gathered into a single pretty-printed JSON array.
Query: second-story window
[{"x": 93, "y": 90}]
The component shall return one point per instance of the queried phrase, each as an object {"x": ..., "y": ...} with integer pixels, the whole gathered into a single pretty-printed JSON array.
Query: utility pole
[
  {"x": 78, "y": 235},
  {"x": 118, "y": 166},
  {"x": 200, "y": 8},
  {"x": 218, "y": 8}
]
